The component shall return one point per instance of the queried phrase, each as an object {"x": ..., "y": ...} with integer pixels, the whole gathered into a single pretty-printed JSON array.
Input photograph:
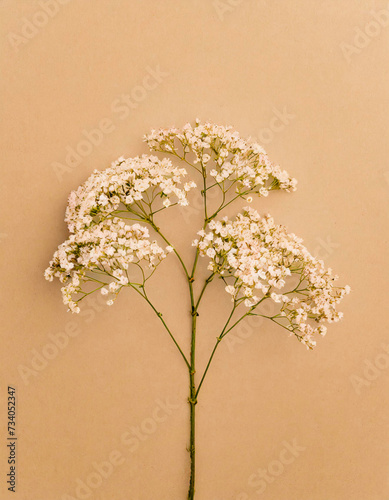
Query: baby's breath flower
[
  {"x": 240, "y": 162},
  {"x": 104, "y": 249},
  {"x": 262, "y": 257},
  {"x": 126, "y": 183}
]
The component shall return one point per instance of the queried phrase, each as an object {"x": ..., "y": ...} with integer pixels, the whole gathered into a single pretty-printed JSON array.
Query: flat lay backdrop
[{"x": 309, "y": 80}]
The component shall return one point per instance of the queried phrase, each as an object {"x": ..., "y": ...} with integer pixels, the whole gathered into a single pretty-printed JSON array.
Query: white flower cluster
[
  {"x": 103, "y": 250},
  {"x": 237, "y": 160},
  {"x": 126, "y": 182},
  {"x": 265, "y": 261}
]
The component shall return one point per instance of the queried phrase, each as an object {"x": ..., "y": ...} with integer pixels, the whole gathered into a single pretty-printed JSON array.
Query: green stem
[
  {"x": 218, "y": 340},
  {"x": 162, "y": 320},
  {"x": 224, "y": 333},
  {"x": 192, "y": 400},
  {"x": 204, "y": 173},
  {"x": 157, "y": 230},
  {"x": 206, "y": 283},
  {"x": 192, "y": 371}
]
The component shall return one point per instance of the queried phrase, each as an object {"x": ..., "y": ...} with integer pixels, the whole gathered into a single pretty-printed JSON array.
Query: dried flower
[
  {"x": 265, "y": 261},
  {"x": 128, "y": 182},
  {"x": 104, "y": 250},
  {"x": 238, "y": 162}
]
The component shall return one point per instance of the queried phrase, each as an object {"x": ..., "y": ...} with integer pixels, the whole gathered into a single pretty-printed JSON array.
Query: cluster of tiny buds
[
  {"x": 237, "y": 162},
  {"x": 103, "y": 251},
  {"x": 128, "y": 183},
  {"x": 263, "y": 260}
]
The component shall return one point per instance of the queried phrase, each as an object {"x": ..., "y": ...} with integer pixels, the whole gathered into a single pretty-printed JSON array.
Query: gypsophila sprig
[
  {"x": 230, "y": 160},
  {"x": 116, "y": 242},
  {"x": 105, "y": 250},
  {"x": 133, "y": 182},
  {"x": 261, "y": 259}
]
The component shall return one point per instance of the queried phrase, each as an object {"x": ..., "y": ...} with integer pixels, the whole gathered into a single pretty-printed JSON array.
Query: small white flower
[
  {"x": 211, "y": 252},
  {"x": 113, "y": 286},
  {"x": 189, "y": 185}
]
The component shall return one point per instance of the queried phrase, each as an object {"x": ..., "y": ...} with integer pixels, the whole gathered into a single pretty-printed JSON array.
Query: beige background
[{"x": 230, "y": 62}]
